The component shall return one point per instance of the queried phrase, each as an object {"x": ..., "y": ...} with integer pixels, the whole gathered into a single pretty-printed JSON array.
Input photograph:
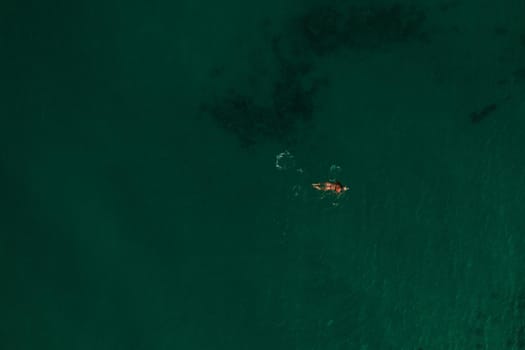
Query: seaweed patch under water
[
  {"x": 328, "y": 28},
  {"x": 291, "y": 93},
  {"x": 291, "y": 101}
]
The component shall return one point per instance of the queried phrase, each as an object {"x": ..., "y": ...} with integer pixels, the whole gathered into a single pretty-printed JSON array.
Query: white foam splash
[{"x": 284, "y": 161}]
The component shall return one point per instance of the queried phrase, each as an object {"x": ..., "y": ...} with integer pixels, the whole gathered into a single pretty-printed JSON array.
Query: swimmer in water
[{"x": 330, "y": 186}]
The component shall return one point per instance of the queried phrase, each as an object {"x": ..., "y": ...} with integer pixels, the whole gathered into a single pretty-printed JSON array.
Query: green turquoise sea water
[{"x": 142, "y": 208}]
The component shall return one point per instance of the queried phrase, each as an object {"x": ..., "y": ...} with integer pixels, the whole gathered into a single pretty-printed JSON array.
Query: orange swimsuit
[{"x": 336, "y": 187}]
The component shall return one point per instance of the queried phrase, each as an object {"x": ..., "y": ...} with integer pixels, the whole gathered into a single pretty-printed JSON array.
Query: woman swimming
[{"x": 330, "y": 186}]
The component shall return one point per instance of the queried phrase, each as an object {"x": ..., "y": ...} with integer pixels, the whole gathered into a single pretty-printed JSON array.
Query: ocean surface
[{"x": 157, "y": 161}]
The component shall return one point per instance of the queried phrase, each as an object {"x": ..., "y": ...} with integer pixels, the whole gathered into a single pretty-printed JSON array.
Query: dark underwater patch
[
  {"x": 476, "y": 117},
  {"x": 291, "y": 102},
  {"x": 328, "y": 28},
  {"x": 319, "y": 31}
]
